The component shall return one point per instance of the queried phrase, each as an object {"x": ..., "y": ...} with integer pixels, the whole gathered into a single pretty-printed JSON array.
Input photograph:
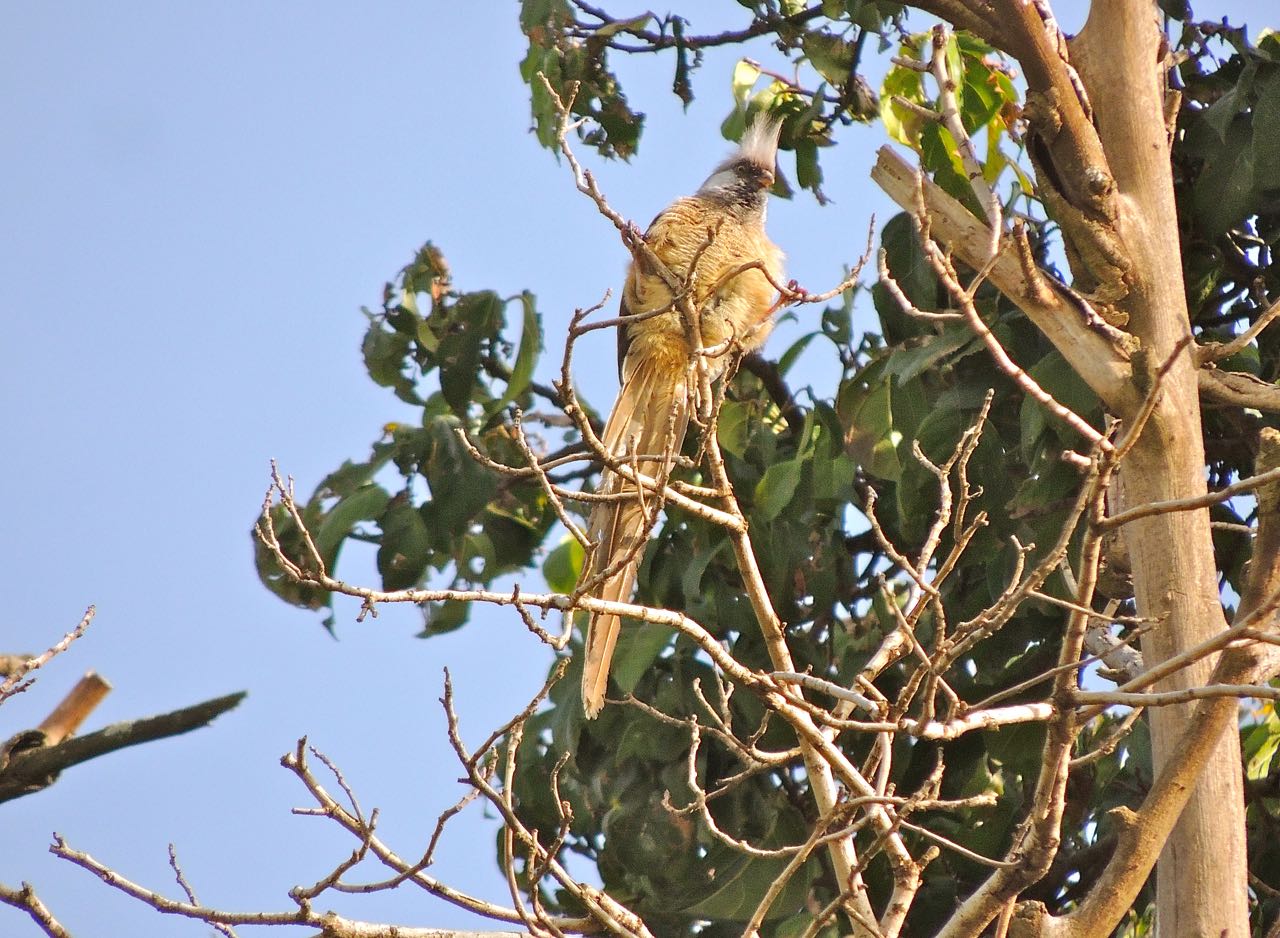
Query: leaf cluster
[
  {"x": 433, "y": 512},
  {"x": 1226, "y": 163},
  {"x": 570, "y": 43}
]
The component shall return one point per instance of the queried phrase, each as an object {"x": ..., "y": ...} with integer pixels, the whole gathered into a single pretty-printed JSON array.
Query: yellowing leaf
[{"x": 745, "y": 76}]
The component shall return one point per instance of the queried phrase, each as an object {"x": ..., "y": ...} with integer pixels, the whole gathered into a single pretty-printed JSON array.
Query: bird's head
[{"x": 744, "y": 179}]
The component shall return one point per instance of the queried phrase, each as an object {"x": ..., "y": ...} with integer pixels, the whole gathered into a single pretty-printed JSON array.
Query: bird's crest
[{"x": 759, "y": 143}]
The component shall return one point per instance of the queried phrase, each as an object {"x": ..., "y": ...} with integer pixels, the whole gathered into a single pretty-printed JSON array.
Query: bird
[{"x": 704, "y": 240}]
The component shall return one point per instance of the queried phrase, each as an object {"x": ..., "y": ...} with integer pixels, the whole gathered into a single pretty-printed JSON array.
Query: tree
[{"x": 859, "y": 693}]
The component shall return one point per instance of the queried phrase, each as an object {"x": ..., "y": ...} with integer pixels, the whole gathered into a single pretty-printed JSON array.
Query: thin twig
[
  {"x": 1192, "y": 503},
  {"x": 190, "y": 892},
  {"x": 1216, "y": 351},
  {"x": 14, "y": 683},
  {"x": 1108, "y": 698}
]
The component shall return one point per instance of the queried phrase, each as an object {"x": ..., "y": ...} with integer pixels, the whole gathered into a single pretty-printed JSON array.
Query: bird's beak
[{"x": 766, "y": 180}]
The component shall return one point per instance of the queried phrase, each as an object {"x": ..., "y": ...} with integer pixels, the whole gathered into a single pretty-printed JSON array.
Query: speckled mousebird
[{"x": 659, "y": 386}]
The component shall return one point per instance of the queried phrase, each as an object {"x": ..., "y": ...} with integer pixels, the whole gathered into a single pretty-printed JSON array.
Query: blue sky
[{"x": 197, "y": 200}]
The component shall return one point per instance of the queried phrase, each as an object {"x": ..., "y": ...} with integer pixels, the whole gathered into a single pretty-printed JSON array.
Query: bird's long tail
[{"x": 649, "y": 419}]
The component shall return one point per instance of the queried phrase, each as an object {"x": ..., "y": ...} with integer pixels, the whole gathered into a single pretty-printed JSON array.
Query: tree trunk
[{"x": 1202, "y": 873}]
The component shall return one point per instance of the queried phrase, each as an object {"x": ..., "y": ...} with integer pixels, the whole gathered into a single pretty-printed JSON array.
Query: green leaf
[
  {"x": 832, "y": 57},
  {"x": 476, "y": 318},
  {"x": 273, "y": 575},
  {"x": 775, "y": 489},
  {"x": 865, "y": 406},
  {"x": 912, "y": 273},
  {"x": 917, "y": 490},
  {"x": 833, "y": 479},
  {"x": 1223, "y": 193},
  {"x": 907, "y": 363},
  {"x": 542, "y": 61},
  {"x": 1269, "y": 43},
  {"x": 738, "y": 882},
  {"x": 788, "y": 358},
  {"x": 638, "y": 645},
  {"x": 526, "y": 357},
  {"x": 439, "y": 618},
  {"x": 1056, "y": 376},
  {"x": 1220, "y": 115},
  {"x": 650, "y": 742},
  {"x": 940, "y": 155},
  {"x": 873, "y": 17},
  {"x": 366, "y": 503},
  {"x": 405, "y": 549},
  {"x": 476, "y": 556},
  {"x": 732, "y": 428},
  {"x": 912, "y": 408},
  {"x": 1261, "y": 743},
  {"x": 426, "y": 273},
  {"x": 797, "y": 926},
  {"x": 691, "y": 581},
  {"x": 460, "y": 487},
  {"x": 808, "y": 172},
  {"x": 1266, "y": 137},
  {"x": 350, "y": 476},
  {"x": 563, "y": 565},
  {"x": 955, "y": 66},
  {"x": 513, "y": 537},
  {"x": 837, "y": 321},
  {"x": 613, "y": 128},
  {"x": 981, "y": 102},
  {"x": 427, "y": 339},
  {"x": 537, "y": 13},
  {"x": 386, "y": 358}
]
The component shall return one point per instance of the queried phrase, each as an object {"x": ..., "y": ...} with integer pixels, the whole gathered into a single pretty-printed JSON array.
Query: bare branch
[
  {"x": 763, "y": 24},
  {"x": 1238, "y": 389},
  {"x": 14, "y": 684},
  {"x": 25, "y": 898},
  {"x": 540, "y": 474},
  {"x": 904, "y": 303},
  {"x": 297, "y": 763},
  {"x": 32, "y": 769},
  {"x": 1193, "y": 503},
  {"x": 1216, "y": 351},
  {"x": 1112, "y": 741},
  {"x": 1166, "y": 698}
]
